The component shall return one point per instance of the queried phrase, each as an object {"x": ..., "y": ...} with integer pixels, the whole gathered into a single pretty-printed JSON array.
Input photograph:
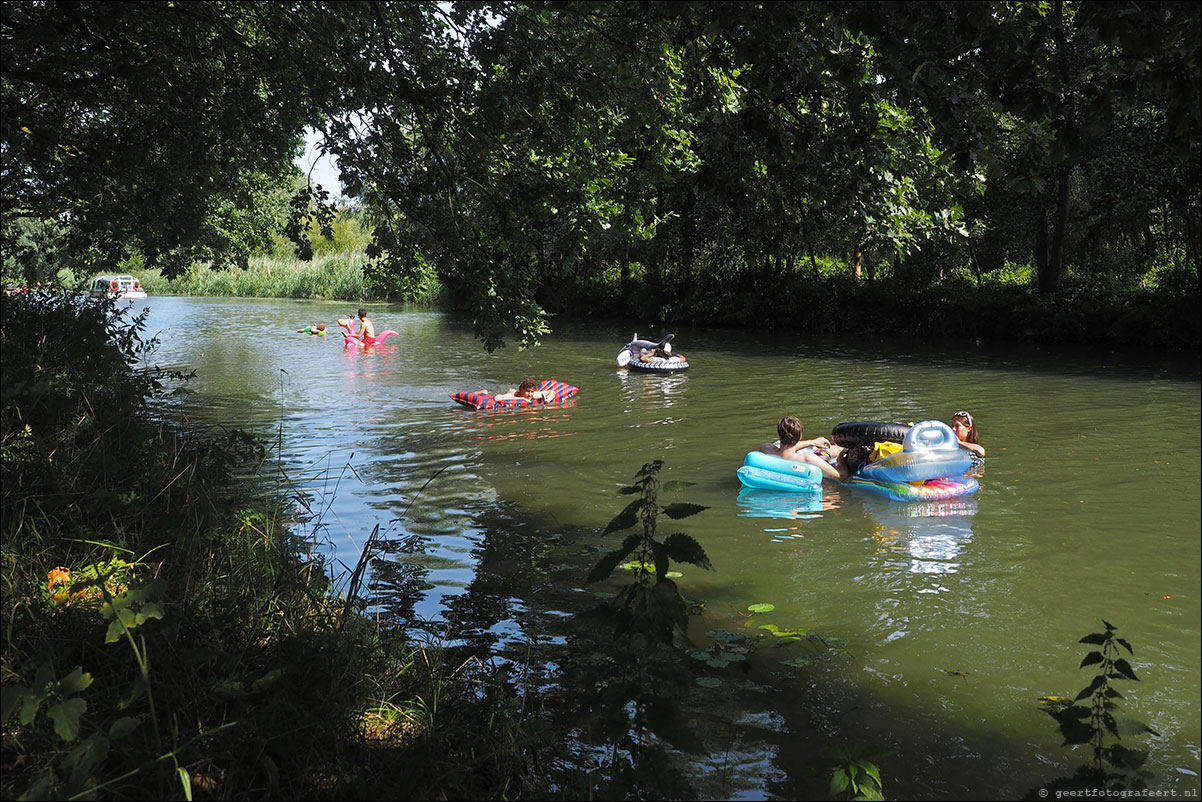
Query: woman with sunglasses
[{"x": 966, "y": 432}]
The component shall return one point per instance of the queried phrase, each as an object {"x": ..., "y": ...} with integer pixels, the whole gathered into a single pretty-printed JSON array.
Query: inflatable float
[
  {"x": 351, "y": 341},
  {"x": 561, "y": 392},
  {"x": 768, "y": 472},
  {"x": 628, "y": 357},
  {"x": 929, "y": 466}
]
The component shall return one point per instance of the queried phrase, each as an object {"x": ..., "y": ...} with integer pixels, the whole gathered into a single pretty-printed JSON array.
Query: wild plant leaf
[
  {"x": 661, "y": 559},
  {"x": 1088, "y": 690},
  {"x": 30, "y": 702},
  {"x": 1090, "y": 659},
  {"x": 185, "y": 781},
  {"x": 1125, "y": 645},
  {"x": 1095, "y": 638},
  {"x": 626, "y": 491},
  {"x": 82, "y": 761},
  {"x": 1124, "y": 668},
  {"x": 74, "y": 682},
  {"x": 66, "y": 715},
  {"x": 122, "y": 727},
  {"x": 606, "y": 565},
  {"x": 1130, "y": 726},
  {"x": 1126, "y": 759},
  {"x": 839, "y": 782},
  {"x": 1075, "y": 732},
  {"x": 122, "y": 622},
  {"x": 149, "y": 610},
  {"x": 626, "y": 518},
  {"x": 683, "y": 509},
  {"x": 683, "y": 548}
]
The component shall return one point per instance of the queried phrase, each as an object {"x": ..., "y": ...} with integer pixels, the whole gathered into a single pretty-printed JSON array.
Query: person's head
[
  {"x": 965, "y": 427},
  {"x": 789, "y": 430},
  {"x": 527, "y": 388},
  {"x": 321, "y": 326},
  {"x": 362, "y": 313}
]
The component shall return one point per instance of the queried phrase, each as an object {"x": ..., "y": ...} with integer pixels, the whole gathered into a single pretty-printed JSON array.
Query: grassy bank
[
  {"x": 333, "y": 276},
  {"x": 167, "y": 635}
]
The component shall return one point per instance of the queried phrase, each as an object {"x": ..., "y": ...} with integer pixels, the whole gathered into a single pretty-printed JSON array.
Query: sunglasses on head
[{"x": 964, "y": 415}]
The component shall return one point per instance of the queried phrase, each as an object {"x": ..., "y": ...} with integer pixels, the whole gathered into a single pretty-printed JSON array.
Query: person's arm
[
  {"x": 817, "y": 442},
  {"x": 976, "y": 448},
  {"x": 829, "y": 471}
]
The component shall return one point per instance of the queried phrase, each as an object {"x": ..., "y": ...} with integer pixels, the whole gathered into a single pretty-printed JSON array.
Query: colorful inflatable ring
[
  {"x": 866, "y": 433},
  {"x": 931, "y": 490},
  {"x": 769, "y": 472},
  {"x": 561, "y": 393}
]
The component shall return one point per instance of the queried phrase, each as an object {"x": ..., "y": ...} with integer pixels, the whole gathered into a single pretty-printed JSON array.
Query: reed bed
[{"x": 331, "y": 276}]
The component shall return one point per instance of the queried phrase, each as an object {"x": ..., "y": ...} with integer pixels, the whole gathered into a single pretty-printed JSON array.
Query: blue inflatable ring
[{"x": 769, "y": 472}]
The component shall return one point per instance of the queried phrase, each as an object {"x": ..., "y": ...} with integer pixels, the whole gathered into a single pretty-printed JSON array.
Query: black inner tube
[{"x": 865, "y": 433}]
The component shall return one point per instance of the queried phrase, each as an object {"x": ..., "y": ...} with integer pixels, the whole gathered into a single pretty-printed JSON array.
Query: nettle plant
[
  {"x": 652, "y": 604},
  {"x": 1092, "y": 718}
]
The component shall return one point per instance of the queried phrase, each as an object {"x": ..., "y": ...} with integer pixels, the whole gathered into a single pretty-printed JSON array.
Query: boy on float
[{"x": 790, "y": 431}]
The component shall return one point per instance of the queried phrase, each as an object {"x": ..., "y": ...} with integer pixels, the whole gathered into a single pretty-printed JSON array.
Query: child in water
[
  {"x": 966, "y": 432},
  {"x": 528, "y": 389},
  {"x": 319, "y": 329}
]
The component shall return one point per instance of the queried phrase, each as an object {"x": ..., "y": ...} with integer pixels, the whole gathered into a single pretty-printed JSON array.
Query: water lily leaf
[
  {"x": 788, "y": 639},
  {"x": 836, "y": 642},
  {"x": 761, "y": 607},
  {"x": 800, "y": 662},
  {"x": 708, "y": 682},
  {"x": 770, "y": 627}
]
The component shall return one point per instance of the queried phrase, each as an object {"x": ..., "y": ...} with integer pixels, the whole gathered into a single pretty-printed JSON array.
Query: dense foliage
[{"x": 674, "y": 160}]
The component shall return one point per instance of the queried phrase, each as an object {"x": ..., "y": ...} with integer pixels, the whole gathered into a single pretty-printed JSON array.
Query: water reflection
[
  {"x": 930, "y": 533},
  {"x": 643, "y": 394}
]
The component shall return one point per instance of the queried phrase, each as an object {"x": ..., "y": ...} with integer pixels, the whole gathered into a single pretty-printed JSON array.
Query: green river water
[{"x": 944, "y": 622}]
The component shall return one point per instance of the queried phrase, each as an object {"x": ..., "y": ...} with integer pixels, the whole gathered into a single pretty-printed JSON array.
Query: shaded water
[{"x": 947, "y": 620}]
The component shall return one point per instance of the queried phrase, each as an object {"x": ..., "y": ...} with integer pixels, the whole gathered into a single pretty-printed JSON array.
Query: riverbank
[
  {"x": 167, "y": 636},
  {"x": 1002, "y": 307}
]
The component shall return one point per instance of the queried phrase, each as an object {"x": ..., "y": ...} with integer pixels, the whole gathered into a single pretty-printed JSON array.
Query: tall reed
[{"x": 330, "y": 276}]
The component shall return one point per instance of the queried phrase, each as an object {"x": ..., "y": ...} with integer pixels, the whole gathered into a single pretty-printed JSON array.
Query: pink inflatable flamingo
[{"x": 350, "y": 341}]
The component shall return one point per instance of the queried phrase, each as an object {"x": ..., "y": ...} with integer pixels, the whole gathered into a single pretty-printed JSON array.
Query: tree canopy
[{"x": 522, "y": 150}]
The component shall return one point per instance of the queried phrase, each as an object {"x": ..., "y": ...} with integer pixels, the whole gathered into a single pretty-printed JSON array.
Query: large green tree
[{"x": 143, "y": 126}]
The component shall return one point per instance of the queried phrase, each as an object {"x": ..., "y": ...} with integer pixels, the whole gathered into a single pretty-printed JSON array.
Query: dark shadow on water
[{"x": 765, "y": 727}]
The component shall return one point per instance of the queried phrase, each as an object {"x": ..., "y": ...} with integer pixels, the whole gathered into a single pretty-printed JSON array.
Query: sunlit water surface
[{"x": 943, "y": 622}]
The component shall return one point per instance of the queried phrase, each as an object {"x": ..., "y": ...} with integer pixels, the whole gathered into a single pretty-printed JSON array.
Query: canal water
[{"x": 930, "y": 630}]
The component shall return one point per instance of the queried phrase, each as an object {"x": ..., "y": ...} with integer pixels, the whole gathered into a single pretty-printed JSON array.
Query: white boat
[{"x": 116, "y": 287}]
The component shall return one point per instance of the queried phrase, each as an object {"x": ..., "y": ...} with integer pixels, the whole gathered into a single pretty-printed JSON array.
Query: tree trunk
[
  {"x": 857, "y": 266},
  {"x": 813, "y": 261},
  {"x": 1049, "y": 281},
  {"x": 869, "y": 267},
  {"x": 1041, "y": 243},
  {"x": 976, "y": 266}
]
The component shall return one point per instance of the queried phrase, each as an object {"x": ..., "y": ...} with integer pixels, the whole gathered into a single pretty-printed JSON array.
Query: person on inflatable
[
  {"x": 664, "y": 352},
  {"x": 319, "y": 329},
  {"x": 527, "y": 389},
  {"x": 367, "y": 329},
  {"x": 790, "y": 431},
  {"x": 966, "y": 432}
]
